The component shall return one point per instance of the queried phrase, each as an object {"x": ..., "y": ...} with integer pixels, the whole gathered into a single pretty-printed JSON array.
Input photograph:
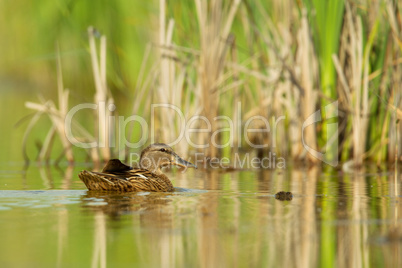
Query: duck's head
[{"x": 158, "y": 155}]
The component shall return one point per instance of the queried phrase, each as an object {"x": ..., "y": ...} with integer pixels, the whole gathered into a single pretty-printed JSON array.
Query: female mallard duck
[{"x": 117, "y": 176}]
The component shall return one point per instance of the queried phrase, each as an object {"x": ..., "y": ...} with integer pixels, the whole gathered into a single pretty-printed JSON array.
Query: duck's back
[{"x": 126, "y": 181}]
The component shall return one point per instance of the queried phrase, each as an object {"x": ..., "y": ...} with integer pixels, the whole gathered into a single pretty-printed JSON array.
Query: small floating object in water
[
  {"x": 148, "y": 177},
  {"x": 284, "y": 196}
]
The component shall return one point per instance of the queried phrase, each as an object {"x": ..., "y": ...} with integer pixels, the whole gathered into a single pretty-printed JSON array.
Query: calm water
[{"x": 48, "y": 219}]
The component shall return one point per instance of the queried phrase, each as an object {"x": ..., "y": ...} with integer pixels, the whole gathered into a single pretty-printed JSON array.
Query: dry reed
[
  {"x": 355, "y": 83},
  {"x": 102, "y": 94},
  {"x": 278, "y": 75},
  {"x": 58, "y": 115}
]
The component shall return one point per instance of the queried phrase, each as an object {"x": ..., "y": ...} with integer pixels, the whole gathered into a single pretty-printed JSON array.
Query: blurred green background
[{"x": 30, "y": 33}]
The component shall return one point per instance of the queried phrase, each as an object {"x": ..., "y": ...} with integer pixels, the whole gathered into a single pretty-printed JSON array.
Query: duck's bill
[{"x": 182, "y": 163}]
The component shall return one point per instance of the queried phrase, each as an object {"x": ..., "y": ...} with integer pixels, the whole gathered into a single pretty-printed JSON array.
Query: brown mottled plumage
[{"x": 116, "y": 176}]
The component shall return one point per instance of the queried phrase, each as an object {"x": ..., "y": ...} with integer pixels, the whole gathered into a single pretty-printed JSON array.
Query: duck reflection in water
[{"x": 150, "y": 207}]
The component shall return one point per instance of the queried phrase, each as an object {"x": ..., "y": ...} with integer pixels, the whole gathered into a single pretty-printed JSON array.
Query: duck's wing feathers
[
  {"x": 130, "y": 175},
  {"x": 148, "y": 181},
  {"x": 132, "y": 180}
]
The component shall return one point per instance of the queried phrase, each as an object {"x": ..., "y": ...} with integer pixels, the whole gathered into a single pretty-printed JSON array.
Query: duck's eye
[{"x": 163, "y": 150}]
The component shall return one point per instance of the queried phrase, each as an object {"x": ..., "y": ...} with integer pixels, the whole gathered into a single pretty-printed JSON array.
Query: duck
[{"x": 146, "y": 176}]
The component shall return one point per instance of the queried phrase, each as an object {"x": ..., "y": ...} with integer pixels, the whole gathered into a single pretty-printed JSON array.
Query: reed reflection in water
[
  {"x": 333, "y": 220},
  {"x": 218, "y": 220}
]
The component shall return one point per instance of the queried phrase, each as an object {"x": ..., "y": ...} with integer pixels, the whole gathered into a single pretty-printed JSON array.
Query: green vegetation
[{"x": 278, "y": 58}]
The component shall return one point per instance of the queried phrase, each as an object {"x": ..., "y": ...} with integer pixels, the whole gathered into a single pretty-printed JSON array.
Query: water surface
[{"x": 48, "y": 219}]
